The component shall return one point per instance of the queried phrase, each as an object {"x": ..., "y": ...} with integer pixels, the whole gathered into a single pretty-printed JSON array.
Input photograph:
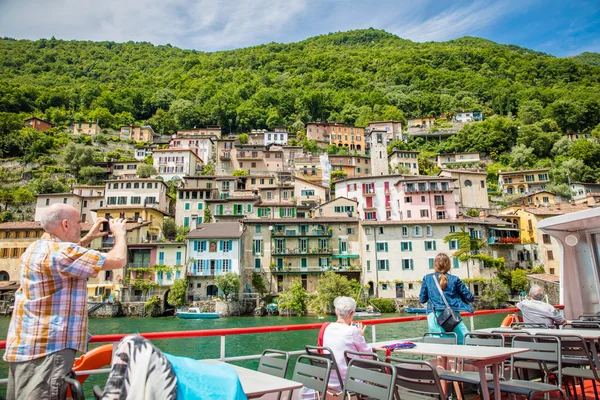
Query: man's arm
[{"x": 117, "y": 257}]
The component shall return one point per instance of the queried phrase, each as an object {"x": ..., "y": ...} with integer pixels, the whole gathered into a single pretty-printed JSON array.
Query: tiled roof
[
  {"x": 462, "y": 171},
  {"x": 5, "y": 226},
  {"x": 219, "y": 230},
  {"x": 317, "y": 220},
  {"x": 465, "y": 220},
  {"x": 545, "y": 277},
  {"x": 558, "y": 209}
]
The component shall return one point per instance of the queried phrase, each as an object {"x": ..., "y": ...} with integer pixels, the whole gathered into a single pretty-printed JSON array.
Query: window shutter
[
  {"x": 195, "y": 245},
  {"x": 431, "y": 263},
  {"x": 387, "y": 265},
  {"x": 280, "y": 212},
  {"x": 268, "y": 210},
  {"x": 340, "y": 246},
  {"x": 456, "y": 262},
  {"x": 293, "y": 212},
  {"x": 409, "y": 246},
  {"x": 434, "y": 244},
  {"x": 386, "y": 247},
  {"x": 230, "y": 245},
  {"x": 412, "y": 264},
  {"x": 375, "y": 215},
  {"x": 364, "y": 187},
  {"x": 220, "y": 245}
]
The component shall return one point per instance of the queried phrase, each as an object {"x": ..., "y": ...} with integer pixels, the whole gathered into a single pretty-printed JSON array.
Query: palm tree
[{"x": 466, "y": 243}]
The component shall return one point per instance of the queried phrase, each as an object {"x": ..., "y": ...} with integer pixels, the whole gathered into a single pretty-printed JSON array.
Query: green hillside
[
  {"x": 530, "y": 99},
  {"x": 588, "y": 59}
]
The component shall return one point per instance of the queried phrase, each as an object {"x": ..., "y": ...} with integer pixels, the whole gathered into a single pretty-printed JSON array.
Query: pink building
[{"x": 426, "y": 197}]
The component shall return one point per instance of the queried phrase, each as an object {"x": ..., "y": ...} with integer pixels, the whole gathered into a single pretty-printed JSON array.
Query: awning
[
  {"x": 506, "y": 229},
  {"x": 345, "y": 256}
]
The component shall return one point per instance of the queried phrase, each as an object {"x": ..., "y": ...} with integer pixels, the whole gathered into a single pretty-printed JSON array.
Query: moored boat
[
  {"x": 414, "y": 310},
  {"x": 195, "y": 313},
  {"x": 363, "y": 314}
]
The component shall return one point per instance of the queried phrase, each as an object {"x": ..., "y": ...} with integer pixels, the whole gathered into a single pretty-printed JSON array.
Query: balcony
[
  {"x": 301, "y": 233},
  {"x": 250, "y": 157},
  {"x": 368, "y": 193},
  {"x": 211, "y": 273},
  {"x": 225, "y": 158},
  {"x": 504, "y": 240},
  {"x": 302, "y": 252},
  {"x": 313, "y": 269}
]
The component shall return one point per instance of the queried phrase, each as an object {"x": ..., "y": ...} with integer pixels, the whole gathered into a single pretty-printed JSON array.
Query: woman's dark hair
[{"x": 441, "y": 264}]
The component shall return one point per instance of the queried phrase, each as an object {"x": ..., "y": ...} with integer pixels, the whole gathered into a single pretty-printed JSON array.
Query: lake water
[{"x": 208, "y": 347}]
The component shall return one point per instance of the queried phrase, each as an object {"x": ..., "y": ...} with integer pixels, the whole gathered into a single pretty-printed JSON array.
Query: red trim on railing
[{"x": 268, "y": 329}]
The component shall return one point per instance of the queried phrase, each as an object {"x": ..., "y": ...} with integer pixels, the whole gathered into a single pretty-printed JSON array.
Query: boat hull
[
  {"x": 415, "y": 310},
  {"x": 198, "y": 315},
  {"x": 365, "y": 314}
]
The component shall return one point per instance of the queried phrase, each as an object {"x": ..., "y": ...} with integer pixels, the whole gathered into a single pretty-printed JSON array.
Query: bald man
[{"x": 49, "y": 320}]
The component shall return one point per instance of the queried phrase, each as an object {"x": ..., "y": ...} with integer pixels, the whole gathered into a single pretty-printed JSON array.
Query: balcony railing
[
  {"x": 206, "y": 273},
  {"x": 302, "y": 252},
  {"x": 301, "y": 233},
  {"x": 504, "y": 240},
  {"x": 368, "y": 193},
  {"x": 313, "y": 269}
]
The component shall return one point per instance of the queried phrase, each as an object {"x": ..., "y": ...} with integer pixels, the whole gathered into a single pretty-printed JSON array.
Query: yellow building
[
  {"x": 523, "y": 182},
  {"x": 138, "y": 133},
  {"x": 86, "y": 128},
  {"x": 15, "y": 237},
  {"x": 421, "y": 122}
]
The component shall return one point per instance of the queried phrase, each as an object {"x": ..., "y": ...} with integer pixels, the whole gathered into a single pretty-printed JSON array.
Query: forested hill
[
  {"x": 588, "y": 58},
  {"x": 350, "y": 77}
]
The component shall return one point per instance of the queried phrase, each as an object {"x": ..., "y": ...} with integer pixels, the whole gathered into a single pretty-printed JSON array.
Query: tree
[
  {"x": 519, "y": 280},
  {"x": 22, "y": 196},
  {"x": 169, "y": 229},
  {"x": 259, "y": 283},
  {"x": 78, "y": 156},
  {"x": 330, "y": 286},
  {"x": 228, "y": 283},
  {"x": 522, "y": 156},
  {"x": 92, "y": 174},
  {"x": 207, "y": 215},
  {"x": 240, "y": 172},
  {"x": 45, "y": 184},
  {"x": 243, "y": 138},
  {"x": 178, "y": 293},
  {"x": 467, "y": 244},
  {"x": 585, "y": 150},
  {"x": 396, "y": 145},
  {"x": 145, "y": 171},
  {"x": 293, "y": 300},
  {"x": 561, "y": 147},
  {"x": 494, "y": 295},
  {"x": 182, "y": 232},
  {"x": 208, "y": 169}
]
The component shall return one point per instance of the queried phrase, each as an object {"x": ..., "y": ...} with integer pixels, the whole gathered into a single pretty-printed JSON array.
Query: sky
[{"x": 558, "y": 27}]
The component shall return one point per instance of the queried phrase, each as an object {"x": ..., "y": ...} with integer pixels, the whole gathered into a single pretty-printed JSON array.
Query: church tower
[{"x": 379, "y": 155}]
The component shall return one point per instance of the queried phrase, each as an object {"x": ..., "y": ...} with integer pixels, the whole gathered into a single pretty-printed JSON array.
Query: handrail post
[
  {"x": 472, "y": 321},
  {"x": 222, "y": 347},
  {"x": 373, "y": 334}
]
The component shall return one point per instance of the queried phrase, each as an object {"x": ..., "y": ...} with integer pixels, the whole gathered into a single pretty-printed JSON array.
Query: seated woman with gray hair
[{"x": 343, "y": 335}]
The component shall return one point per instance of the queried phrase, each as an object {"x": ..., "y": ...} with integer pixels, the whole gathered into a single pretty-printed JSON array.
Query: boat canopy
[{"x": 578, "y": 235}]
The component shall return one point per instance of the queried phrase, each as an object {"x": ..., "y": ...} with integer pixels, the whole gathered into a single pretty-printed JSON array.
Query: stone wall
[
  {"x": 552, "y": 289},
  {"x": 107, "y": 310},
  {"x": 134, "y": 309}
]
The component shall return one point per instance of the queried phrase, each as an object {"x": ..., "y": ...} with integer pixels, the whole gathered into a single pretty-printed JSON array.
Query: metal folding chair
[
  {"x": 376, "y": 382},
  {"x": 420, "y": 380},
  {"x": 313, "y": 374}
]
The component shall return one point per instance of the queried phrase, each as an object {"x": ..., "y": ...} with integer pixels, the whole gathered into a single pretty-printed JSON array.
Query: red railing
[{"x": 267, "y": 329}]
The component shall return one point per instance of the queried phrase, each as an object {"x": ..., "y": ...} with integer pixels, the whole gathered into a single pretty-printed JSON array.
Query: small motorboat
[
  {"x": 195, "y": 313},
  {"x": 415, "y": 310},
  {"x": 365, "y": 314}
]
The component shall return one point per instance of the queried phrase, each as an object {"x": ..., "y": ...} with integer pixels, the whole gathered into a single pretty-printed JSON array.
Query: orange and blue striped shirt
[{"x": 50, "y": 311}]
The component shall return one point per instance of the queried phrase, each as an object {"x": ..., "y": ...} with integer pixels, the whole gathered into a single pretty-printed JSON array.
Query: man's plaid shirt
[{"x": 50, "y": 312}]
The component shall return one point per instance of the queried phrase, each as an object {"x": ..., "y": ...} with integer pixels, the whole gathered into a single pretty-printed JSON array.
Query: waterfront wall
[{"x": 106, "y": 310}]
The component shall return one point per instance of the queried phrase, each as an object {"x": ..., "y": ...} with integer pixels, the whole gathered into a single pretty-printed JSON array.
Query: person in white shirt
[
  {"x": 535, "y": 311},
  {"x": 343, "y": 335}
]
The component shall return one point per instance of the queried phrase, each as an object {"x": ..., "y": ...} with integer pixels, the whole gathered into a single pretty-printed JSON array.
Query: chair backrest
[
  {"x": 542, "y": 349},
  {"x": 377, "y": 381},
  {"x": 358, "y": 356},
  {"x": 325, "y": 353},
  {"x": 484, "y": 339},
  {"x": 575, "y": 347},
  {"x": 582, "y": 325},
  {"x": 313, "y": 372},
  {"x": 440, "y": 337},
  {"x": 589, "y": 317},
  {"x": 529, "y": 325},
  {"x": 421, "y": 381},
  {"x": 509, "y": 336},
  {"x": 274, "y": 362}
]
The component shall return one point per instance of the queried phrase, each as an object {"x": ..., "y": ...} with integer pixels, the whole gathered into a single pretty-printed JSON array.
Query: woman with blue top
[{"x": 454, "y": 290}]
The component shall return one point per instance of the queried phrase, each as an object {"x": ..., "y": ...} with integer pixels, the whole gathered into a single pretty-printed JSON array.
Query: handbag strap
[{"x": 437, "y": 284}]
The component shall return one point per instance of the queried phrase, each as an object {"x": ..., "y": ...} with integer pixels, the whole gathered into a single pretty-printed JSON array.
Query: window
[
  {"x": 136, "y": 200},
  {"x": 424, "y": 213},
  {"x": 383, "y": 265},
  {"x": 417, "y": 231},
  {"x": 382, "y": 246},
  {"x": 307, "y": 193},
  {"x": 468, "y": 183},
  {"x": 439, "y": 200},
  {"x": 47, "y": 201},
  {"x": 349, "y": 231},
  {"x": 405, "y": 246},
  {"x": 440, "y": 214},
  {"x": 452, "y": 228},
  {"x": 455, "y": 262},
  {"x": 429, "y": 245},
  {"x": 186, "y": 221},
  {"x": 550, "y": 255},
  {"x": 186, "y": 206},
  {"x": 407, "y": 263},
  {"x": 405, "y": 231},
  {"x": 431, "y": 262},
  {"x": 546, "y": 239},
  {"x": 257, "y": 265},
  {"x": 408, "y": 199},
  {"x": 453, "y": 244},
  {"x": 200, "y": 205},
  {"x": 552, "y": 271},
  {"x": 257, "y": 229},
  {"x": 287, "y": 212},
  {"x": 367, "y": 230},
  {"x": 483, "y": 184},
  {"x": 381, "y": 230},
  {"x": 368, "y": 265},
  {"x": 368, "y": 247},
  {"x": 226, "y": 245}
]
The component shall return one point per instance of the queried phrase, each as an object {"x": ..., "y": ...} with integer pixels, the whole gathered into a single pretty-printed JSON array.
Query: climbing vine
[{"x": 488, "y": 261}]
